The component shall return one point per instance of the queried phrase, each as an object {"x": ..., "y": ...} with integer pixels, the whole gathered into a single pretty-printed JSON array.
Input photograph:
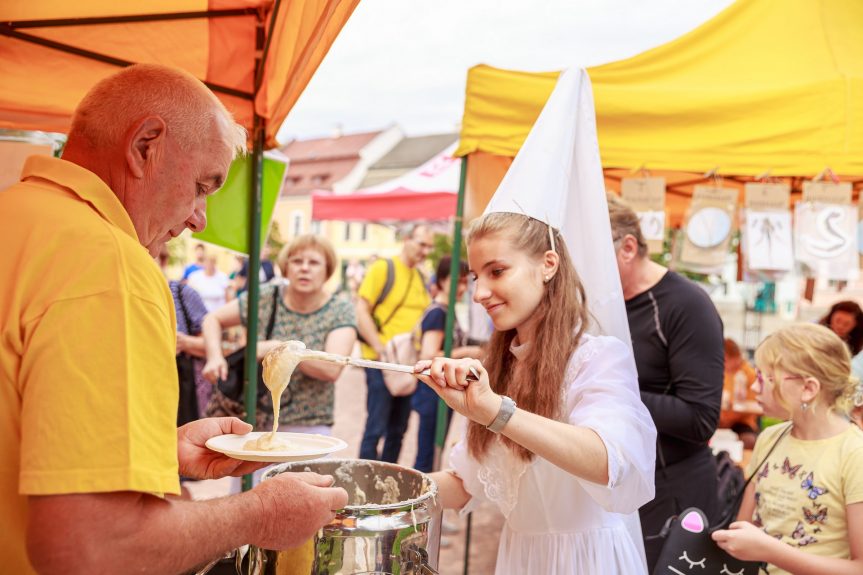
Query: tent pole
[
  {"x": 252, "y": 277},
  {"x": 441, "y": 422}
]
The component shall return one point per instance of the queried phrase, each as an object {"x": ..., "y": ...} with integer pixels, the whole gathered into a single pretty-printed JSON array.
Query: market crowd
[{"x": 587, "y": 444}]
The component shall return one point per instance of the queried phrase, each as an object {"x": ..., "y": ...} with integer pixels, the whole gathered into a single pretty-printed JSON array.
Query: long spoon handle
[
  {"x": 472, "y": 376},
  {"x": 357, "y": 362}
]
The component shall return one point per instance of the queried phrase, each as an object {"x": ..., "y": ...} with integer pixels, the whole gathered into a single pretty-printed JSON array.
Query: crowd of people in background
[
  {"x": 586, "y": 446},
  {"x": 690, "y": 378}
]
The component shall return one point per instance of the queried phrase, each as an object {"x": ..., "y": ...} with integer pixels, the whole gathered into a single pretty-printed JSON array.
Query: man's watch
[{"x": 507, "y": 408}]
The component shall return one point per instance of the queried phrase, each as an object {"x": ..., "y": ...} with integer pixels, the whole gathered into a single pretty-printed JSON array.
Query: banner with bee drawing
[
  {"x": 647, "y": 197},
  {"x": 708, "y": 229},
  {"x": 766, "y": 228},
  {"x": 825, "y": 231}
]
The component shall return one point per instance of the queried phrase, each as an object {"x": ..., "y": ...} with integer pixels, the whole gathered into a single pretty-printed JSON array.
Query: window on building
[
  {"x": 316, "y": 227},
  {"x": 364, "y": 232},
  {"x": 319, "y": 179},
  {"x": 347, "y": 232},
  {"x": 296, "y": 223}
]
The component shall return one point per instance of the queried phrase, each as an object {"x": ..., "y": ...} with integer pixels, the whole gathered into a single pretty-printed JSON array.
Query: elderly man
[
  {"x": 88, "y": 382},
  {"x": 677, "y": 340},
  {"x": 392, "y": 298}
]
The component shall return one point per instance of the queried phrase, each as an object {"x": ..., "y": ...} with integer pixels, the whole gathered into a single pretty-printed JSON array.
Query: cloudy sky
[{"x": 405, "y": 61}]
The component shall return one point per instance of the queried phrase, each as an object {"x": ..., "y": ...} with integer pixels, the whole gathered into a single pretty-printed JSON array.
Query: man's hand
[
  {"x": 294, "y": 507},
  {"x": 743, "y": 540},
  {"x": 199, "y": 462}
]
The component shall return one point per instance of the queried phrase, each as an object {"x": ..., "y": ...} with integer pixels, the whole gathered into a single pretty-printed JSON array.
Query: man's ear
[
  {"x": 143, "y": 141},
  {"x": 628, "y": 248}
]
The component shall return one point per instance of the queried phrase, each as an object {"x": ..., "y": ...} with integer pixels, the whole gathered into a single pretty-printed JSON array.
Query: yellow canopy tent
[
  {"x": 766, "y": 86},
  {"x": 256, "y": 55}
]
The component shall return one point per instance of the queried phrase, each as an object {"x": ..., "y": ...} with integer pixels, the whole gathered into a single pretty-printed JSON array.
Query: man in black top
[{"x": 677, "y": 340}]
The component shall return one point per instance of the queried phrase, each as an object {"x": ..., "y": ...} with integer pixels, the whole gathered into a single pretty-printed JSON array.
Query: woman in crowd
[
  {"x": 677, "y": 340},
  {"x": 305, "y": 311},
  {"x": 803, "y": 513},
  {"x": 845, "y": 319},
  {"x": 569, "y": 458},
  {"x": 195, "y": 391},
  {"x": 211, "y": 283},
  {"x": 433, "y": 326}
]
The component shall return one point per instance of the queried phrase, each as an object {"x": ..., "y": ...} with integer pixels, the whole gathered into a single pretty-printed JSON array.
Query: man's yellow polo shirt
[
  {"x": 408, "y": 289},
  {"x": 88, "y": 380}
]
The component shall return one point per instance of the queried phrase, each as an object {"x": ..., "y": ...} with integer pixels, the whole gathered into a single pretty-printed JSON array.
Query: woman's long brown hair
[{"x": 536, "y": 382}]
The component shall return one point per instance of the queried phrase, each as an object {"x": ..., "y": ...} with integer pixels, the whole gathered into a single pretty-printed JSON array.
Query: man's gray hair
[
  {"x": 190, "y": 110},
  {"x": 407, "y": 232}
]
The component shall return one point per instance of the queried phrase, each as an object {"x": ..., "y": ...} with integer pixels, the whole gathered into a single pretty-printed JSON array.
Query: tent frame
[{"x": 11, "y": 29}]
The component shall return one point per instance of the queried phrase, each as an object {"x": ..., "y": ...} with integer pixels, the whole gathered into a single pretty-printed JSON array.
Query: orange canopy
[{"x": 52, "y": 52}]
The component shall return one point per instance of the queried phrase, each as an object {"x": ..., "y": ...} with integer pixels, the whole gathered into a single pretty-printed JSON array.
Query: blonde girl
[
  {"x": 803, "y": 513},
  {"x": 558, "y": 438}
]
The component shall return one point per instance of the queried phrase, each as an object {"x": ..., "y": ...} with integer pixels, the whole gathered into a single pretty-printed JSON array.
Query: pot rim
[{"x": 415, "y": 502}]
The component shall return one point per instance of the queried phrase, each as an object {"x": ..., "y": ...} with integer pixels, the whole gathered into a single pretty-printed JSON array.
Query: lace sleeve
[{"x": 494, "y": 480}]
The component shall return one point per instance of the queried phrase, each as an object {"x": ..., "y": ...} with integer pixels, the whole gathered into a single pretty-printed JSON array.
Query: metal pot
[{"x": 391, "y": 525}]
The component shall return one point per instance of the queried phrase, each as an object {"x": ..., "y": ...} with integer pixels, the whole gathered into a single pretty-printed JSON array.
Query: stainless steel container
[{"x": 391, "y": 525}]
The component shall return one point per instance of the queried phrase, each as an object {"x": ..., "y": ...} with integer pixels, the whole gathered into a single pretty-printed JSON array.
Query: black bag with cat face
[{"x": 688, "y": 543}]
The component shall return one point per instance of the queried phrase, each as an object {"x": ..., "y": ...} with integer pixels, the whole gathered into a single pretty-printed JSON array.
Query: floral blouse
[{"x": 307, "y": 401}]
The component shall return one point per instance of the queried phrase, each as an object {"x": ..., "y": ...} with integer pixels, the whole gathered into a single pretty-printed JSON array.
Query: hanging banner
[
  {"x": 708, "y": 228},
  {"x": 767, "y": 241},
  {"x": 766, "y": 228},
  {"x": 767, "y": 197},
  {"x": 646, "y": 196},
  {"x": 825, "y": 236},
  {"x": 827, "y": 192}
]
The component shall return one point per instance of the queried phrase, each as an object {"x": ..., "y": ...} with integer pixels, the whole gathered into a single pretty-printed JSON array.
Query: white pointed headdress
[{"x": 557, "y": 178}]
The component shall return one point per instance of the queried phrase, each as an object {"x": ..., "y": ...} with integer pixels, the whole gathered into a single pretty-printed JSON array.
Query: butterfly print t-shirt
[{"x": 801, "y": 492}]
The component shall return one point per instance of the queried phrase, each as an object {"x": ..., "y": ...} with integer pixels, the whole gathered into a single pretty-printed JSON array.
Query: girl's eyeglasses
[{"x": 759, "y": 377}]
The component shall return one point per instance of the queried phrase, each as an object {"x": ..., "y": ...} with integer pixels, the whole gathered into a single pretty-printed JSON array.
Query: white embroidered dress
[{"x": 557, "y": 523}]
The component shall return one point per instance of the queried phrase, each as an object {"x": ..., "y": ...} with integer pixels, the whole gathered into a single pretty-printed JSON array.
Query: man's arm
[
  {"x": 695, "y": 364},
  {"x": 139, "y": 533}
]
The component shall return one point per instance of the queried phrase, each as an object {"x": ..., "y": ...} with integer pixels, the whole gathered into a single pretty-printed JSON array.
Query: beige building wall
[{"x": 351, "y": 240}]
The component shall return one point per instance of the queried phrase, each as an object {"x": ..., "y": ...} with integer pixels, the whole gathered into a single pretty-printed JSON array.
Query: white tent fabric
[
  {"x": 426, "y": 193},
  {"x": 439, "y": 174},
  {"x": 557, "y": 178}
]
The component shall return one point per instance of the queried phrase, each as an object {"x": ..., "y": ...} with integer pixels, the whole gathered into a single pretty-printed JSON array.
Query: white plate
[{"x": 302, "y": 446}]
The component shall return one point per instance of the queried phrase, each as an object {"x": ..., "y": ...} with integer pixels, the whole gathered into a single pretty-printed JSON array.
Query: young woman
[
  {"x": 558, "y": 438},
  {"x": 803, "y": 513},
  {"x": 433, "y": 327}
]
